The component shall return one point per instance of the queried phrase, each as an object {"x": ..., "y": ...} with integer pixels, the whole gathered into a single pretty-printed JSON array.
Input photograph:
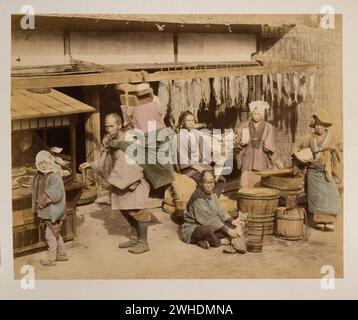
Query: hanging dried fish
[
  {"x": 189, "y": 96},
  {"x": 287, "y": 83},
  {"x": 164, "y": 95},
  {"x": 224, "y": 90},
  {"x": 274, "y": 92},
  {"x": 279, "y": 86},
  {"x": 252, "y": 86},
  {"x": 312, "y": 85},
  {"x": 303, "y": 86},
  {"x": 271, "y": 87},
  {"x": 217, "y": 91},
  {"x": 296, "y": 85},
  {"x": 244, "y": 89},
  {"x": 206, "y": 91},
  {"x": 196, "y": 90},
  {"x": 288, "y": 88},
  {"x": 178, "y": 99},
  {"x": 264, "y": 84},
  {"x": 238, "y": 96},
  {"x": 232, "y": 91}
]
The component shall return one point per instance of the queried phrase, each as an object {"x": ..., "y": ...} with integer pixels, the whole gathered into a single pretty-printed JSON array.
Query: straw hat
[{"x": 323, "y": 117}]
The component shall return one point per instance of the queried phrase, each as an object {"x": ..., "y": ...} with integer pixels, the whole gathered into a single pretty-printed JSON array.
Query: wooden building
[{"x": 84, "y": 56}]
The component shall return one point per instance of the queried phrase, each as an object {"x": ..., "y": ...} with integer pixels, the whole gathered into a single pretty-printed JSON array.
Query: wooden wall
[
  {"x": 122, "y": 47},
  {"x": 215, "y": 47},
  {"x": 35, "y": 47}
]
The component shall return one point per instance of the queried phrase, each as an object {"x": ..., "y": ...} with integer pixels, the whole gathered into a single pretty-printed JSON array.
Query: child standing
[{"x": 49, "y": 202}]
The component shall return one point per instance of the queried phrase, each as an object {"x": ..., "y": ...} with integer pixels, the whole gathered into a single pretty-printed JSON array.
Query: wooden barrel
[
  {"x": 261, "y": 205},
  {"x": 289, "y": 223}
]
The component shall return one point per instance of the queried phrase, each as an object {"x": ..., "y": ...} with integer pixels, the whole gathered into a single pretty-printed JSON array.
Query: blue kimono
[{"x": 51, "y": 184}]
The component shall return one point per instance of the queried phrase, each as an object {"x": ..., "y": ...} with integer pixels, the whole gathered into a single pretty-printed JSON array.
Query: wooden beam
[
  {"x": 93, "y": 124},
  {"x": 76, "y": 80},
  {"x": 73, "y": 146},
  {"x": 175, "y": 46},
  {"x": 142, "y": 76},
  {"x": 66, "y": 44}
]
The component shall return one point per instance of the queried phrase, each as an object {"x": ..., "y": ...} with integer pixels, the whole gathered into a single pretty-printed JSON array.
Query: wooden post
[
  {"x": 258, "y": 87},
  {"x": 44, "y": 135},
  {"x": 93, "y": 125},
  {"x": 66, "y": 44},
  {"x": 73, "y": 146},
  {"x": 175, "y": 43}
]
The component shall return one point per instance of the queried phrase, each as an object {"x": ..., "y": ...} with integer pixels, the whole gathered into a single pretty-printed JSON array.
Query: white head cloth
[
  {"x": 259, "y": 106},
  {"x": 44, "y": 155}
]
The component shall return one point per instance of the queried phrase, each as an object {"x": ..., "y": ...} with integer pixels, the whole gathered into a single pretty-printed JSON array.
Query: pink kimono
[
  {"x": 138, "y": 116},
  {"x": 122, "y": 176},
  {"x": 253, "y": 157}
]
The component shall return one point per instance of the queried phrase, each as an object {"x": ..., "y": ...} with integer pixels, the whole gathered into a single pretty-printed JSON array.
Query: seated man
[{"x": 205, "y": 222}]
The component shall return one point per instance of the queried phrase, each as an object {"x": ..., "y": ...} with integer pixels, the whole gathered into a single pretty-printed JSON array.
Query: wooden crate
[{"x": 27, "y": 234}]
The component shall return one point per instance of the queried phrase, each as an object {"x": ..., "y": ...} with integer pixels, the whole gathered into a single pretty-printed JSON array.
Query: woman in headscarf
[
  {"x": 324, "y": 169},
  {"x": 255, "y": 145},
  {"x": 49, "y": 202}
]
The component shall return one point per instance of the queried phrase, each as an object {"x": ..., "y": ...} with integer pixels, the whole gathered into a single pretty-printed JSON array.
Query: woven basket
[
  {"x": 184, "y": 187},
  {"x": 283, "y": 182}
]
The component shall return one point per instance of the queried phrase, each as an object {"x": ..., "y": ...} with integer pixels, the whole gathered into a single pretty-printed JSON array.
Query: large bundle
[
  {"x": 177, "y": 196},
  {"x": 157, "y": 174}
]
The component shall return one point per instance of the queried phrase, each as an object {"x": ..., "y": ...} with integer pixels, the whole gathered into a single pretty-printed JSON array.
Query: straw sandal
[{"x": 203, "y": 244}]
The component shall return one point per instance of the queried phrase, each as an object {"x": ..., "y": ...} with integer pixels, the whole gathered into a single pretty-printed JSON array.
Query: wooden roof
[
  {"x": 28, "y": 105},
  {"x": 212, "y": 23}
]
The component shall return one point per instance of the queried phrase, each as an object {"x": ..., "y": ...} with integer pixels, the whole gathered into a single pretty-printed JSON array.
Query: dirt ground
[{"x": 95, "y": 253}]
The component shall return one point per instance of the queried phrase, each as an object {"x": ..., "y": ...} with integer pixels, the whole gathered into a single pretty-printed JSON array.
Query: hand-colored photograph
[{"x": 164, "y": 146}]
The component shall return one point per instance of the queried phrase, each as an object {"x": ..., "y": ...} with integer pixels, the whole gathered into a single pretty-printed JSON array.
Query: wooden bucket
[
  {"x": 289, "y": 223},
  {"x": 261, "y": 205},
  {"x": 255, "y": 245}
]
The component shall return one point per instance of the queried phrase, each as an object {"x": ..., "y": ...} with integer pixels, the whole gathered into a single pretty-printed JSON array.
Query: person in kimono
[
  {"x": 49, "y": 202},
  {"x": 206, "y": 223},
  {"x": 190, "y": 147},
  {"x": 323, "y": 170},
  {"x": 129, "y": 188},
  {"x": 255, "y": 146}
]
